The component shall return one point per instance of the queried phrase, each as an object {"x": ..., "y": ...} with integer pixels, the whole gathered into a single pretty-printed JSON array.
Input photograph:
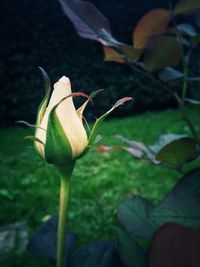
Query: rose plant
[
  {"x": 61, "y": 139},
  {"x": 166, "y": 234}
]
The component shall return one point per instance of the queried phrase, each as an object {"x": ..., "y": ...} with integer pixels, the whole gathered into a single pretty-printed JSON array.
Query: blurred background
[{"x": 37, "y": 33}]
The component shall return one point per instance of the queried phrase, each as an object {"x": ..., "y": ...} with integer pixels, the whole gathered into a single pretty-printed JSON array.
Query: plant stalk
[
  {"x": 186, "y": 118},
  {"x": 64, "y": 196},
  {"x": 180, "y": 100}
]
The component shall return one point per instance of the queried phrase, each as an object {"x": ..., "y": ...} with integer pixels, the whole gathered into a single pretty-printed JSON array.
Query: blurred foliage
[{"x": 35, "y": 33}]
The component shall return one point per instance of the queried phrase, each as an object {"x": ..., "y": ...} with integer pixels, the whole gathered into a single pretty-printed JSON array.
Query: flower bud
[{"x": 60, "y": 135}]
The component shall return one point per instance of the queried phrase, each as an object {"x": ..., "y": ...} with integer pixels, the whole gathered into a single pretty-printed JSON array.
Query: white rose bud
[{"x": 60, "y": 129}]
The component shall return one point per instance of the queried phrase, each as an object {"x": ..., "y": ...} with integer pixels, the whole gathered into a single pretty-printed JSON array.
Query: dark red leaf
[
  {"x": 151, "y": 24},
  {"x": 175, "y": 245},
  {"x": 88, "y": 20}
]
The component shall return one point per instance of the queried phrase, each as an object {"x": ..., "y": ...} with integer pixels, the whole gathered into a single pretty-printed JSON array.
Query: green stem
[
  {"x": 185, "y": 80},
  {"x": 186, "y": 118},
  {"x": 66, "y": 173},
  {"x": 64, "y": 195}
]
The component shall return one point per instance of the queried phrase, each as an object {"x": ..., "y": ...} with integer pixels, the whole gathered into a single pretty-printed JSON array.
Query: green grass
[{"x": 29, "y": 189}]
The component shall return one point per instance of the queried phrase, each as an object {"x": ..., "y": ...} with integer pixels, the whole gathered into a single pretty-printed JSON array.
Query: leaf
[
  {"x": 44, "y": 241},
  {"x": 130, "y": 53},
  {"x": 89, "y": 21},
  {"x": 163, "y": 140},
  {"x": 144, "y": 150},
  {"x": 194, "y": 104},
  {"x": 151, "y": 151},
  {"x": 131, "y": 254},
  {"x": 162, "y": 51},
  {"x": 134, "y": 152},
  {"x": 187, "y": 28},
  {"x": 95, "y": 254},
  {"x": 181, "y": 205},
  {"x": 187, "y": 7},
  {"x": 194, "y": 79},
  {"x": 124, "y": 54},
  {"x": 193, "y": 101},
  {"x": 133, "y": 214},
  {"x": 177, "y": 152},
  {"x": 151, "y": 24},
  {"x": 112, "y": 55},
  {"x": 175, "y": 246},
  {"x": 169, "y": 74},
  {"x": 135, "y": 144}
]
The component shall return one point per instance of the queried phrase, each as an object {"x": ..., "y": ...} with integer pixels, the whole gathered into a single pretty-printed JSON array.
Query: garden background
[
  {"x": 34, "y": 33},
  {"x": 37, "y": 33}
]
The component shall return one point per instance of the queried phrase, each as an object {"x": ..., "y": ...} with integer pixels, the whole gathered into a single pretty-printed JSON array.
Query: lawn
[{"x": 29, "y": 189}]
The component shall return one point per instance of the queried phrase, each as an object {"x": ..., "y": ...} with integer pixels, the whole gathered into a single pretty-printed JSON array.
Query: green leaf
[
  {"x": 187, "y": 7},
  {"x": 178, "y": 152},
  {"x": 162, "y": 51},
  {"x": 182, "y": 204},
  {"x": 164, "y": 140},
  {"x": 57, "y": 148},
  {"x": 153, "y": 23},
  {"x": 131, "y": 254},
  {"x": 133, "y": 214}
]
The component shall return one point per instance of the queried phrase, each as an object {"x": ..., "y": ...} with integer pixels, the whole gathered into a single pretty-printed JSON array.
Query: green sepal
[
  {"x": 57, "y": 148},
  {"x": 98, "y": 122},
  {"x": 41, "y": 110},
  {"x": 33, "y": 138},
  {"x": 42, "y": 107}
]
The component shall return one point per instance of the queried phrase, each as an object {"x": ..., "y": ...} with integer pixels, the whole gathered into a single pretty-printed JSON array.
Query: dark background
[{"x": 37, "y": 33}]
